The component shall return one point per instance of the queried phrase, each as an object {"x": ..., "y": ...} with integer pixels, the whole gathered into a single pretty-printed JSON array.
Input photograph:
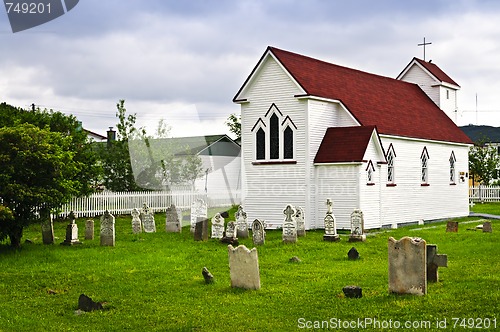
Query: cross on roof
[
  {"x": 289, "y": 212},
  {"x": 424, "y": 44}
]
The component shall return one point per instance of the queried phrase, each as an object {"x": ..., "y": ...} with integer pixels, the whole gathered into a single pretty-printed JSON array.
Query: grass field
[{"x": 153, "y": 282}]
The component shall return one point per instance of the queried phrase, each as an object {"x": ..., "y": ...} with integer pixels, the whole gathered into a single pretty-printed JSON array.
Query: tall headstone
[
  {"x": 330, "y": 224},
  {"x": 289, "y": 225},
  {"x": 434, "y": 260},
  {"x": 198, "y": 209},
  {"x": 258, "y": 232},
  {"x": 71, "y": 231},
  {"x": 136, "y": 221},
  {"x": 201, "y": 229},
  {"x": 47, "y": 229},
  {"x": 244, "y": 267},
  {"x": 89, "y": 229},
  {"x": 407, "y": 266},
  {"x": 357, "y": 227},
  {"x": 241, "y": 223},
  {"x": 173, "y": 222},
  {"x": 452, "y": 226},
  {"x": 299, "y": 219},
  {"x": 217, "y": 226},
  {"x": 107, "y": 235},
  {"x": 148, "y": 219}
]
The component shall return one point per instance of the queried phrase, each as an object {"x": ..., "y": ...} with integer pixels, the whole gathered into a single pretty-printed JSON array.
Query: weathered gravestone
[
  {"x": 85, "y": 303},
  {"x": 230, "y": 234},
  {"x": 89, "y": 229},
  {"x": 217, "y": 226},
  {"x": 201, "y": 229},
  {"x": 289, "y": 225},
  {"x": 407, "y": 266},
  {"x": 173, "y": 222},
  {"x": 357, "y": 227},
  {"x": 452, "y": 226},
  {"x": 354, "y": 292},
  {"x": 198, "y": 209},
  {"x": 207, "y": 276},
  {"x": 244, "y": 267},
  {"x": 330, "y": 224},
  {"x": 434, "y": 260},
  {"x": 299, "y": 219},
  {"x": 47, "y": 229},
  {"x": 241, "y": 223},
  {"x": 148, "y": 219},
  {"x": 258, "y": 232},
  {"x": 71, "y": 231},
  {"x": 136, "y": 221},
  {"x": 107, "y": 235},
  {"x": 487, "y": 227},
  {"x": 353, "y": 254}
]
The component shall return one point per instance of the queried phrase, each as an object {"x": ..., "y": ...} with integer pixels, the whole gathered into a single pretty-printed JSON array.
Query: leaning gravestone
[
  {"x": 241, "y": 223},
  {"x": 48, "y": 229},
  {"x": 244, "y": 267},
  {"x": 330, "y": 224},
  {"x": 357, "y": 227},
  {"x": 434, "y": 260},
  {"x": 201, "y": 229},
  {"x": 148, "y": 219},
  {"x": 452, "y": 226},
  {"x": 217, "y": 226},
  {"x": 289, "y": 225},
  {"x": 107, "y": 235},
  {"x": 299, "y": 219},
  {"x": 258, "y": 232},
  {"x": 487, "y": 227},
  {"x": 173, "y": 220},
  {"x": 407, "y": 266},
  {"x": 89, "y": 229},
  {"x": 136, "y": 221}
]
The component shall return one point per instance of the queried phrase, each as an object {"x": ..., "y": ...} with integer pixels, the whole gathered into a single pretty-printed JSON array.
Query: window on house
[
  {"x": 391, "y": 155},
  {"x": 452, "y": 168},
  {"x": 260, "y": 143},
  {"x": 288, "y": 143},
  {"x": 274, "y": 137},
  {"x": 369, "y": 173},
  {"x": 424, "y": 159},
  {"x": 447, "y": 94}
]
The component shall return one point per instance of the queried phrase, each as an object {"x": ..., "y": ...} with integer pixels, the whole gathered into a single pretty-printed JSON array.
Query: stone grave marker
[
  {"x": 136, "y": 221},
  {"x": 407, "y": 266},
  {"x": 299, "y": 219},
  {"x": 244, "y": 267},
  {"x": 487, "y": 227},
  {"x": 89, "y": 229},
  {"x": 173, "y": 222},
  {"x": 71, "y": 231},
  {"x": 107, "y": 234},
  {"x": 353, "y": 292},
  {"x": 289, "y": 225},
  {"x": 241, "y": 223},
  {"x": 198, "y": 209},
  {"x": 48, "y": 229},
  {"x": 330, "y": 224},
  {"x": 357, "y": 227},
  {"x": 452, "y": 226},
  {"x": 201, "y": 229},
  {"x": 353, "y": 254},
  {"x": 148, "y": 219},
  {"x": 258, "y": 232},
  {"x": 217, "y": 226},
  {"x": 434, "y": 260},
  {"x": 230, "y": 234}
]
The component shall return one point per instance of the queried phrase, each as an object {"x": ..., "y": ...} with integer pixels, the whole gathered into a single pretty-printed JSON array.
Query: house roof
[
  {"x": 436, "y": 71},
  {"x": 397, "y": 108},
  {"x": 344, "y": 144}
]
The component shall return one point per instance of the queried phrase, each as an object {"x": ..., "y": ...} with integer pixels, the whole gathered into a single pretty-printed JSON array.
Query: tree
[
  {"x": 484, "y": 162},
  {"x": 234, "y": 124}
]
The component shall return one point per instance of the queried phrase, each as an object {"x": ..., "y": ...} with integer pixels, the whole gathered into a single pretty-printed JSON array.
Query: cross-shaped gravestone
[
  {"x": 330, "y": 224},
  {"x": 289, "y": 212},
  {"x": 289, "y": 225},
  {"x": 434, "y": 260}
]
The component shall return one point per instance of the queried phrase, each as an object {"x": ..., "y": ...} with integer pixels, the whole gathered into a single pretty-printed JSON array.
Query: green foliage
[
  {"x": 234, "y": 124},
  {"x": 484, "y": 162}
]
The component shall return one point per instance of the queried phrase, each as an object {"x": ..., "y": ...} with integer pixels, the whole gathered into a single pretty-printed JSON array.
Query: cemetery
[{"x": 139, "y": 271}]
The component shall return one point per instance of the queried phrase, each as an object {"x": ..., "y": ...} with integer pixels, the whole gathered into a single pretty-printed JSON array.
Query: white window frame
[{"x": 424, "y": 167}]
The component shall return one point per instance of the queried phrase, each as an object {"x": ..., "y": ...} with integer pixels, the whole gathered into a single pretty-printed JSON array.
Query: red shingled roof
[
  {"x": 344, "y": 144},
  {"x": 436, "y": 71},
  {"x": 395, "y": 107}
]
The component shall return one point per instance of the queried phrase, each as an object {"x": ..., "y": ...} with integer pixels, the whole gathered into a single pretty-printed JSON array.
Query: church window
[
  {"x": 274, "y": 137},
  {"x": 260, "y": 143},
  {"x": 391, "y": 155},
  {"x": 424, "y": 161},
  {"x": 452, "y": 168},
  {"x": 288, "y": 143},
  {"x": 369, "y": 173}
]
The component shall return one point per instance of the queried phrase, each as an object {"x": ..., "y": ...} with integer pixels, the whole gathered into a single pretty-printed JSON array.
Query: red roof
[
  {"x": 395, "y": 107},
  {"x": 436, "y": 71},
  {"x": 344, "y": 144}
]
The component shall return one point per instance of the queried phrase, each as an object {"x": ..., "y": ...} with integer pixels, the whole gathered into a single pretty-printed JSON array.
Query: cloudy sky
[{"x": 184, "y": 61}]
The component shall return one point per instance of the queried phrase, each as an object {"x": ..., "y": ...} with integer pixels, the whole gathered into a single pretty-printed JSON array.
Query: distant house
[
  {"x": 312, "y": 130},
  {"x": 95, "y": 137}
]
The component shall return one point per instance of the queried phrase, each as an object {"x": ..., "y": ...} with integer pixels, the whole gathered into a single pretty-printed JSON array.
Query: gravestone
[
  {"x": 354, "y": 292},
  {"x": 173, "y": 223},
  {"x": 201, "y": 229},
  {"x": 407, "y": 266},
  {"x": 86, "y": 304},
  {"x": 136, "y": 221},
  {"x": 258, "y": 232},
  {"x": 353, "y": 254},
  {"x": 89, "y": 229},
  {"x": 198, "y": 209},
  {"x": 107, "y": 235},
  {"x": 48, "y": 229},
  {"x": 244, "y": 267},
  {"x": 217, "y": 226},
  {"x": 434, "y": 260},
  {"x": 71, "y": 231},
  {"x": 357, "y": 227},
  {"x": 148, "y": 219},
  {"x": 230, "y": 234},
  {"x": 289, "y": 225},
  {"x": 452, "y": 226},
  {"x": 330, "y": 224},
  {"x": 299, "y": 219},
  {"x": 487, "y": 227},
  {"x": 241, "y": 223},
  {"x": 209, "y": 278}
]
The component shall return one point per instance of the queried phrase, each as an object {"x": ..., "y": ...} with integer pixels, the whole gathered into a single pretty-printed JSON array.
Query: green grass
[
  {"x": 490, "y": 208},
  {"x": 153, "y": 282}
]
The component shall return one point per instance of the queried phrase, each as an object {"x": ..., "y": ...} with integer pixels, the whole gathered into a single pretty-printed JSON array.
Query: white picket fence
[
  {"x": 484, "y": 194},
  {"x": 124, "y": 202}
]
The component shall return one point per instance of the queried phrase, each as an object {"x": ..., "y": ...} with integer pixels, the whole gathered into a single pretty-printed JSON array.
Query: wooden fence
[
  {"x": 124, "y": 202},
  {"x": 484, "y": 194}
]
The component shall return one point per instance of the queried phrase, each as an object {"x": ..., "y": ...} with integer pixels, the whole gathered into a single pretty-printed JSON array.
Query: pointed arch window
[
  {"x": 424, "y": 161},
  {"x": 260, "y": 143},
  {"x": 370, "y": 169},
  {"x": 391, "y": 156},
  {"x": 274, "y": 137},
  {"x": 452, "y": 168},
  {"x": 288, "y": 143}
]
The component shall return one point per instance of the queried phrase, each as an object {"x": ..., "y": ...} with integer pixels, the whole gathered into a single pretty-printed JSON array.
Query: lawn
[{"x": 153, "y": 282}]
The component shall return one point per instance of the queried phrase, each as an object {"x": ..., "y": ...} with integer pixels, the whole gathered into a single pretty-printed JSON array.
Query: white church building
[{"x": 312, "y": 130}]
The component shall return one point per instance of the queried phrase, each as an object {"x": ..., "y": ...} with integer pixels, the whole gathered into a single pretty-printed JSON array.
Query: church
[{"x": 312, "y": 130}]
